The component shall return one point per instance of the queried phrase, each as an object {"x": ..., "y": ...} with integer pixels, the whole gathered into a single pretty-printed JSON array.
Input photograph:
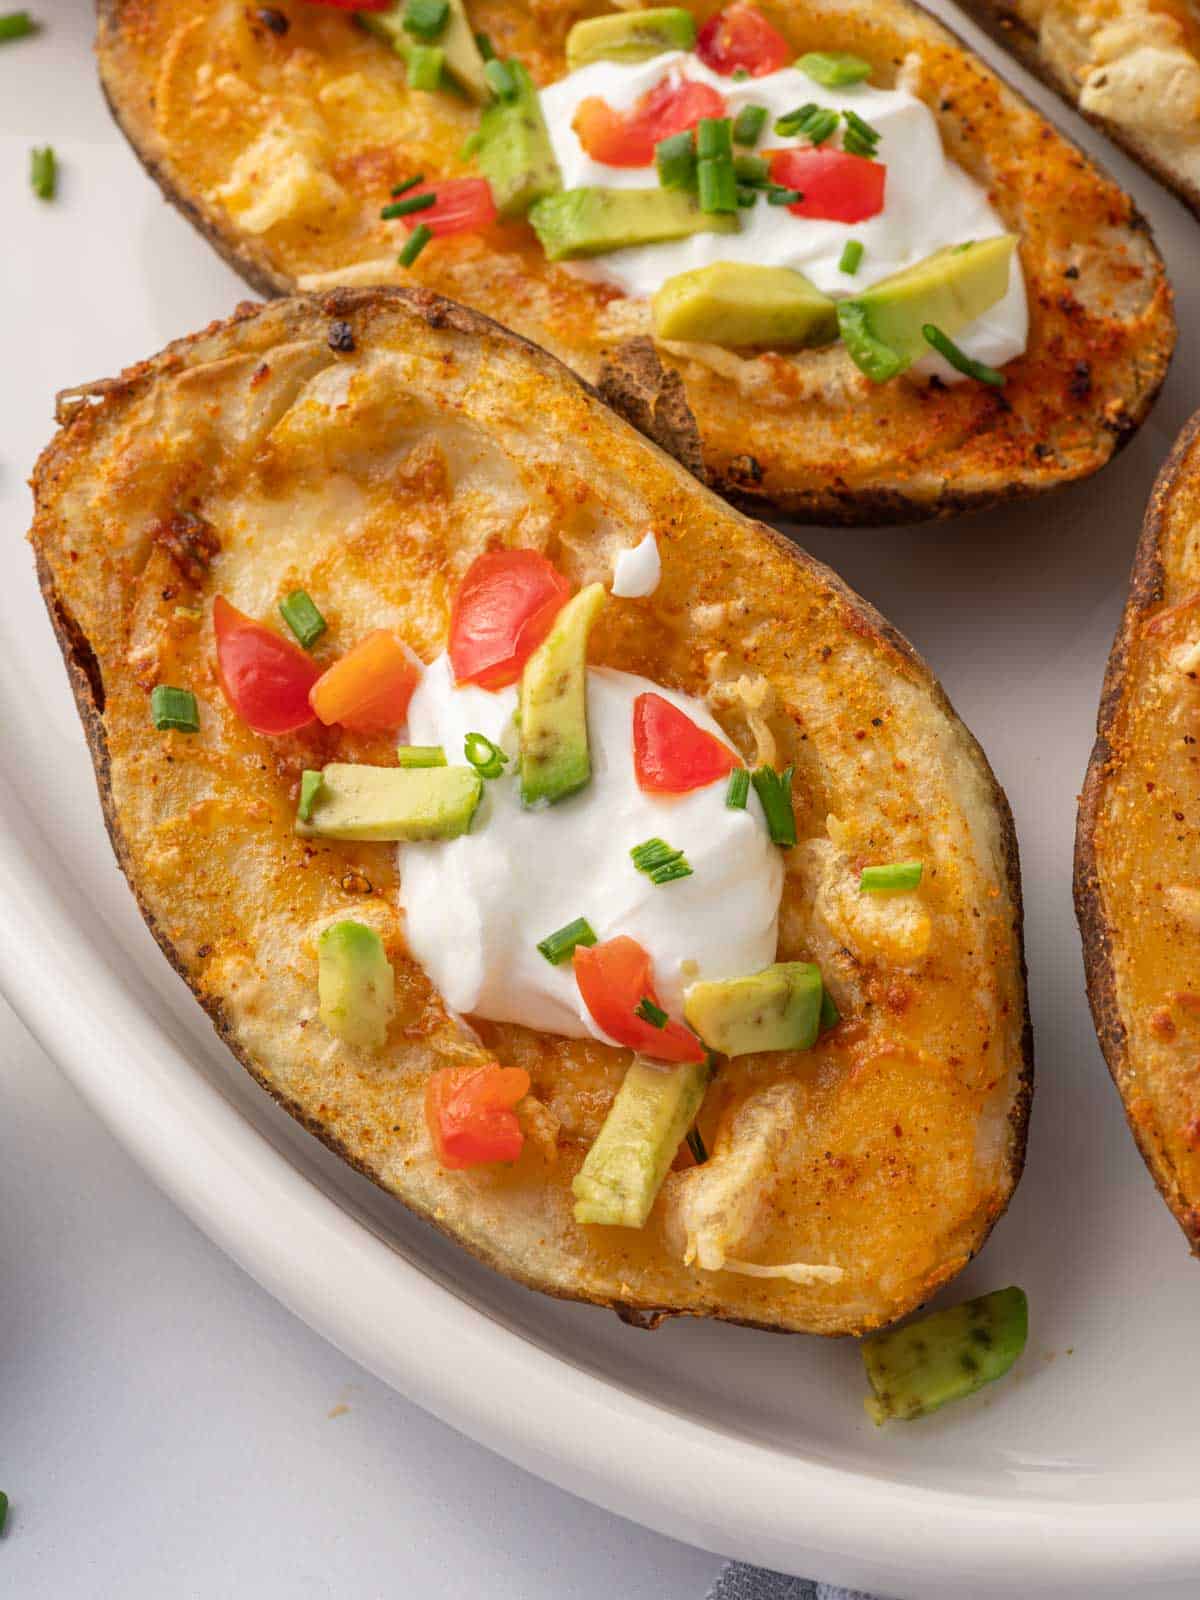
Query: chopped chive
[
  {"x": 659, "y": 862},
  {"x": 424, "y": 63},
  {"x": 487, "y": 758},
  {"x": 784, "y": 197},
  {"x": 425, "y": 19},
  {"x": 417, "y": 241},
  {"x": 15, "y": 25},
  {"x": 830, "y": 1015},
  {"x": 675, "y": 159},
  {"x": 3, "y": 1496},
  {"x": 485, "y": 47},
  {"x": 696, "y": 1145},
  {"x": 405, "y": 208},
  {"x": 821, "y": 127},
  {"x": 897, "y": 875},
  {"x": 852, "y": 254},
  {"x": 559, "y": 946},
  {"x": 746, "y": 197},
  {"x": 860, "y": 138},
  {"x": 739, "y": 789},
  {"x": 43, "y": 172},
  {"x": 813, "y": 121},
  {"x": 834, "y": 68},
  {"x": 749, "y": 124},
  {"x": 862, "y": 127},
  {"x": 791, "y": 122},
  {"x": 854, "y": 146},
  {"x": 774, "y": 790},
  {"x": 960, "y": 360},
  {"x": 755, "y": 170},
  {"x": 302, "y": 617},
  {"x": 714, "y": 138},
  {"x": 649, "y": 1012},
  {"x": 409, "y": 183},
  {"x": 310, "y": 787},
  {"x": 502, "y": 80},
  {"x": 174, "y": 708},
  {"x": 420, "y": 755},
  {"x": 717, "y": 185},
  {"x": 670, "y": 872}
]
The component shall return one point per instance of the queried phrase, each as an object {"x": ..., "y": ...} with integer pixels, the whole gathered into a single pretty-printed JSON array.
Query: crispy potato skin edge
[{"x": 84, "y": 678}]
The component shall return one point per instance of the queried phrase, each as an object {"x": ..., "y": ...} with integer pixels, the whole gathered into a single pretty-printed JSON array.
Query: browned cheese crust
[
  {"x": 254, "y": 458},
  {"x": 282, "y": 148},
  {"x": 1137, "y": 888}
]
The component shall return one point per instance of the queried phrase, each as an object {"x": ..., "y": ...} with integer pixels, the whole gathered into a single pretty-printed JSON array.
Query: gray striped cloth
[{"x": 740, "y": 1582}]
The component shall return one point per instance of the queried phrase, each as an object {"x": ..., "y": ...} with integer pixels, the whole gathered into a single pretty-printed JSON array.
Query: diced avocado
[
  {"x": 589, "y": 221},
  {"x": 630, "y": 35},
  {"x": 514, "y": 150},
  {"x": 945, "y": 1356},
  {"x": 739, "y": 303},
  {"x": 624, "y": 1170},
  {"x": 951, "y": 288},
  {"x": 463, "y": 62},
  {"x": 776, "y": 1009},
  {"x": 407, "y": 803},
  {"x": 355, "y": 983},
  {"x": 553, "y": 704}
]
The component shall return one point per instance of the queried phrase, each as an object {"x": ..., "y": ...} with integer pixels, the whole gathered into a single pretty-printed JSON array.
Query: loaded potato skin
[
  {"x": 283, "y": 147},
  {"x": 366, "y": 447}
]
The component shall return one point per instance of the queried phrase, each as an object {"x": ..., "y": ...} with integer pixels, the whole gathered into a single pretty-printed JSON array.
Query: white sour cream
[
  {"x": 636, "y": 572},
  {"x": 929, "y": 201},
  {"x": 476, "y": 907}
]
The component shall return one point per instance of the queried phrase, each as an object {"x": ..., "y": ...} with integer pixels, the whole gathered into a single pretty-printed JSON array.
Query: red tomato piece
[
  {"x": 503, "y": 610},
  {"x": 368, "y": 690},
  {"x": 670, "y": 753},
  {"x": 469, "y": 1112},
  {"x": 265, "y": 678},
  {"x": 614, "y": 978},
  {"x": 627, "y": 138},
  {"x": 837, "y": 187},
  {"x": 461, "y": 205},
  {"x": 740, "y": 36}
]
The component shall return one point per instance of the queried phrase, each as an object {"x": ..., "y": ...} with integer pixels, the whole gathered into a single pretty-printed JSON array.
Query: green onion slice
[
  {"x": 485, "y": 47},
  {"x": 560, "y": 946},
  {"x": 424, "y": 62},
  {"x": 784, "y": 197},
  {"x": 417, "y": 240},
  {"x": 755, "y": 170},
  {"x": 696, "y": 1145},
  {"x": 739, "y": 789},
  {"x": 425, "y": 19},
  {"x": 15, "y": 25},
  {"x": 3, "y": 1496},
  {"x": 487, "y": 758},
  {"x": 649, "y": 1012},
  {"x": 302, "y": 617},
  {"x": 774, "y": 790},
  {"x": 896, "y": 876},
  {"x": 834, "y": 68},
  {"x": 405, "y": 208},
  {"x": 174, "y": 708},
  {"x": 502, "y": 80},
  {"x": 749, "y": 124},
  {"x": 717, "y": 185},
  {"x": 675, "y": 159},
  {"x": 659, "y": 862},
  {"x": 43, "y": 172},
  {"x": 746, "y": 197},
  {"x": 960, "y": 360},
  {"x": 310, "y": 787},
  {"x": 409, "y": 183},
  {"x": 420, "y": 755},
  {"x": 852, "y": 254},
  {"x": 714, "y": 138}
]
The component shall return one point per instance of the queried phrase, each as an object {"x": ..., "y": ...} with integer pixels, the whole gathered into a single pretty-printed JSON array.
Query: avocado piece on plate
[
  {"x": 624, "y": 1170},
  {"x": 950, "y": 288},
  {"x": 514, "y": 150},
  {"x": 591, "y": 220},
  {"x": 462, "y": 61},
  {"x": 740, "y": 303},
  {"x": 630, "y": 35},
  {"x": 776, "y": 1009},
  {"x": 553, "y": 699},
  {"x": 357, "y": 802},
  {"x": 355, "y": 984},
  {"x": 946, "y": 1356}
]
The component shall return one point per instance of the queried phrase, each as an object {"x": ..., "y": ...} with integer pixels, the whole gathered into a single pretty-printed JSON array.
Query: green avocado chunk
[
  {"x": 462, "y": 61},
  {"x": 355, "y": 984},
  {"x": 739, "y": 303},
  {"x": 553, "y": 700},
  {"x": 514, "y": 150},
  {"x": 778, "y": 1008},
  {"x": 624, "y": 1170},
  {"x": 882, "y": 326},
  {"x": 946, "y": 1356},
  {"x": 589, "y": 221},
  {"x": 630, "y": 35},
  {"x": 408, "y": 803}
]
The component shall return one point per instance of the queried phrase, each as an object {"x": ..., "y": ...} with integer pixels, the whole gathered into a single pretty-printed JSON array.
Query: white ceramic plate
[{"x": 1074, "y": 1475}]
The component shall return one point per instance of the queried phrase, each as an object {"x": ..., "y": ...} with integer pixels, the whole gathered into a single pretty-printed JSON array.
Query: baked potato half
[
  {"x": 367, "y": 446},
  {"x": 280, "y": 133},
  {"x": 1137, "y": 892},
  {"x": 1132, "y": 67}
]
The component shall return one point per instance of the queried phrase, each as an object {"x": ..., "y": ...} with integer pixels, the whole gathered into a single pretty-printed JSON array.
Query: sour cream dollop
[
  {"x": 636, "y": 572},
  {"x": 929, "y": 201},
  {"x": 476, "y": 907}
]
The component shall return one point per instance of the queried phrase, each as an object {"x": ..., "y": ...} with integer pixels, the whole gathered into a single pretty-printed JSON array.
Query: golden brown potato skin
[
  {"x": 1135, "y": 853},
  {"x": 254, "y": 458},
  {"x": 195, "y": 89}
]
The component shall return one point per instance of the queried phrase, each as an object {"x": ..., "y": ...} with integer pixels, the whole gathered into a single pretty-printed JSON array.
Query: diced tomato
[
  {"x": 368, "y": 690},
  {"x": 614, "y": 978},
  {"x": 740, "y": 36},
  {"x": 837, "y": 187},
  {"x": 627, "y": 138},
  {"x": 462, "y": 205},
  {"x": 265, "y": 678},
  {"x": 503, "y": 610},
  {"x": 469, "y": 1111},
  {"x": 670, "y": 753}
]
